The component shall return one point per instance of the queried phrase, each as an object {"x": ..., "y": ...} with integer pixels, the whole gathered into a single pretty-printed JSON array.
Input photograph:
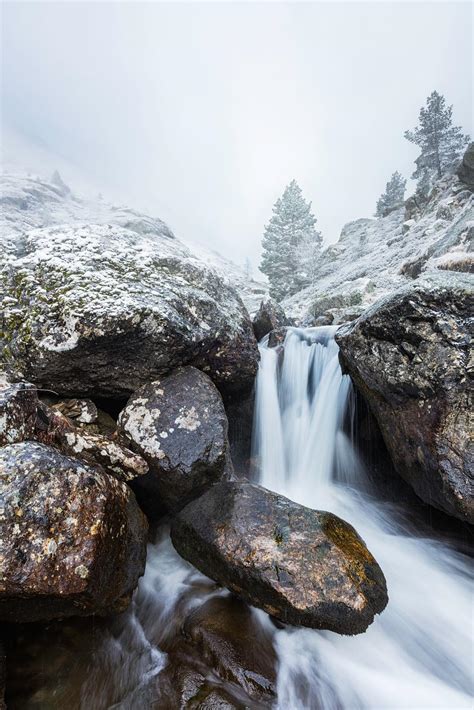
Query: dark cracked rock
[
  {"x": 73, "y": 539},
  {"x": 302, "y": 566},
  {"x": 410, "y": 357},
  {"x": 179, "y": 425},
  {"x": 466, "y": 169},
  {"x": 269, "y": 316}
]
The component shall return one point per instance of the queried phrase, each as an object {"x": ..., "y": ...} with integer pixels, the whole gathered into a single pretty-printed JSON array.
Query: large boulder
[
  {"x": 409, "y": 355},
  {"x": 102, "y": 309},
  {"x": 466, "y": 169},
  {"x": 269, "y": 316},
  {"x": 302, "y": 566},
  {"x": 73, "y": 538},
  {"x": 179, "y": 425}
]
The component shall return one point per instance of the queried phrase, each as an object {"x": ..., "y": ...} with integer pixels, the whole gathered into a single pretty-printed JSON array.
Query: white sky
[{"x": 202, "y": 112}]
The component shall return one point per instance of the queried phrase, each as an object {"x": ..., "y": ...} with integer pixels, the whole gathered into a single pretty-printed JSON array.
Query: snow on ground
[
  {"x": 375, "y": 256},
  {"x": 30, "y": 202}
]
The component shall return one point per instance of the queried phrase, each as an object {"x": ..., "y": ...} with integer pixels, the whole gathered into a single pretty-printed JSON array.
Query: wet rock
[
  {"x": 18, "y": 404},
  {"x": 178, "y": 424},
  {"x": 73, "y": 538},
  {"x": 81, "y": 411},
  {"x": 269, "y": 316},
  {"x": 239, "y": 413},
  {"x": 277, "y": 337},
  {"x": 466, "y": 169},
  {"x": 302, "y": 566},
  {"x": 409, "y": 355},
  {"x": 102, "y": 309},
  {"x": 229, "y": 639},
  {"x": 55, "y": 429}
]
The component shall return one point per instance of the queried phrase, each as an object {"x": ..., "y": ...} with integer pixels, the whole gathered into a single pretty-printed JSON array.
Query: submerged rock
[
  {"x": 228, "y": 639},
  {"x": 409, "y": 355},
  {"x": 102, "y": 309},
  {"x": 269, "y": 316},
  {"x": 179, "y": 425},
  {"x": 302, "y": 566},
  {"x": 18, "y": 403},
  {"x": 73, "y": 538}
]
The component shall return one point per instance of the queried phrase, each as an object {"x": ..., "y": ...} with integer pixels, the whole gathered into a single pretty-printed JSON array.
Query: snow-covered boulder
[{"x": 101, "y": 309}]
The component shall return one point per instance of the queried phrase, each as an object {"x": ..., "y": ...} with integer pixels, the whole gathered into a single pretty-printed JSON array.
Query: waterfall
[{"x": 418, "y": 652}]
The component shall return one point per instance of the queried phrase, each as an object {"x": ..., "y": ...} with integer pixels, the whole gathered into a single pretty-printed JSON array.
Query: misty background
[{"x": 201, "y": 113}]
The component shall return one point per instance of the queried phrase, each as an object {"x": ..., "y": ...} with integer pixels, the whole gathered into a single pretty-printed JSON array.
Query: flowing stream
[
  {"x": 418, "y": 652},
  {"x": 416, "y": 655}
]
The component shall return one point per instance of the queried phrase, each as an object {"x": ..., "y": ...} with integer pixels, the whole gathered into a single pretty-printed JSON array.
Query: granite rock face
[
  {"x": 410, "y": 357},
  {"x": 73, "y": 539},
  {"x": 179, "y": 425},
  {"x": 302, "y": 566}
]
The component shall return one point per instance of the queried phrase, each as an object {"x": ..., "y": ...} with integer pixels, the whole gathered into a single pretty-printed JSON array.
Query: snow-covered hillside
[
  {"x": 30, "y": 202},
  {"x": 375, "y": 256}
]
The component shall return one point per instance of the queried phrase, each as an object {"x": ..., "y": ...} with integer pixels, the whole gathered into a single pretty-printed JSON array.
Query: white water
[{"x": 418, "y": 653}]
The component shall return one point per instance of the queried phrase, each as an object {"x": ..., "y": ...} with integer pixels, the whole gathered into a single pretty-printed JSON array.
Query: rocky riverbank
[{"x": 127, "y": 369}]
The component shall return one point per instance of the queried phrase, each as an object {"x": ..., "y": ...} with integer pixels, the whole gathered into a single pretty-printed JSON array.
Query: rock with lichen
[
  {"x": 179, "y": 425},
  {"x": 18, "y": 403},
  {"x": 410, "y": 357},
  {"x": 56, "y": 429},
  {"x": 102, "y": 309},
  {"x": 304, "y": 567},
  {"x": 73, "y": 539}
]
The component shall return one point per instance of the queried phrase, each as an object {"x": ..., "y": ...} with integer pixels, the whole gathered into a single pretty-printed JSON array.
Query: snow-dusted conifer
[
  {"x": 290, "y": 243},
  {"x": 393, "y": 195},
  {"x": 441, "y": 143}
]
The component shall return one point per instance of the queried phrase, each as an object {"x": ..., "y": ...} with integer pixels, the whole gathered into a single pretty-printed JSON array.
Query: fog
[{"x": 201, "y": 113}]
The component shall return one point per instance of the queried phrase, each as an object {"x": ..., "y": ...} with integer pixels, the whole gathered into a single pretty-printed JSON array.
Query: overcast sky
[{"x": 202, "y": 112}]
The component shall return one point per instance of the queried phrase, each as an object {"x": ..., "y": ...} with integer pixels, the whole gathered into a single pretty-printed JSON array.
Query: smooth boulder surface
[
  {"x": 302, "y": 566},
  {"x": 269, "y": 316},
  {"x": 73, "y": 538},
  {"x": 102, "y": 309},
  {"x": 179, "y": 425},
  {"x": 410, "y": 357}
]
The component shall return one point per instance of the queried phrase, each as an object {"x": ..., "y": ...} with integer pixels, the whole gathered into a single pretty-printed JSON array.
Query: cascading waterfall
[{"x": 418, "y": 653}]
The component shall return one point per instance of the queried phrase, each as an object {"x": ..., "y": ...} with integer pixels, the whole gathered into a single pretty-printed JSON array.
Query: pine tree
[
  {"x": 393, "y": 195},
  {"x": 441, "y": 143},
  {"x": 288, "y": 239}
]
